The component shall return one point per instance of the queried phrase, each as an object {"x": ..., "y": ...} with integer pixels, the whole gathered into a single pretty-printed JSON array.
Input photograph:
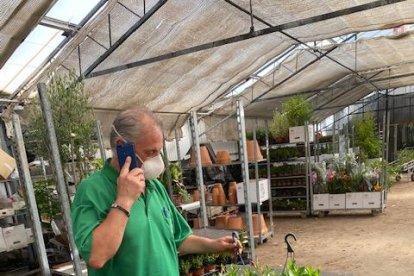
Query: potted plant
[
  {"x": 297, "y": 110},
  {"x": 197, "y": 265},
  {"x": 210, "y": 262},
  {"x": 366, "y": 138},
  {"x": 184, "y": 267},
  {"x": 279, "y": 129}
]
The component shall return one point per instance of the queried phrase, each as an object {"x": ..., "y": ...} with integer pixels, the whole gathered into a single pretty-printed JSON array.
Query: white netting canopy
[{"x": 199, "y": 81}]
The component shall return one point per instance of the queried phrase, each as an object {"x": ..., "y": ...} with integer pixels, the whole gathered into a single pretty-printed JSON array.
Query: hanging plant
[{"x": 298, "y": 110}]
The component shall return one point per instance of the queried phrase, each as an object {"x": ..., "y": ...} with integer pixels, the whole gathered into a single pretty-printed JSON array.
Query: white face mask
[{"x": 152, "y": 167}]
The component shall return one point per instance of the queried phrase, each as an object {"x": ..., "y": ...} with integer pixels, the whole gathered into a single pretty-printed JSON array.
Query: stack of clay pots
[
  {"x": 221, "y": 221},
  {"x": 255, "y": 222},
  {"x": 218, "y": 196},
  {"x": 251, "y": 145},
  {"x": 233, "y": 193},
  {"x": 205, "y": 157},
  {"x": 223, "y": 157},
  {"x": 235, "y": 222}
]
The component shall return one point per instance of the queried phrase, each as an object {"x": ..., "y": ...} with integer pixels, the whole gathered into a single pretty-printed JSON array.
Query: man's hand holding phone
[{"x": 131, "y": 184}]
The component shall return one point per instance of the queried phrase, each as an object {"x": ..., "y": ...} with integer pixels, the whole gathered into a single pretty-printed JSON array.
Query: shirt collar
[{"x": 110, "y": 171}]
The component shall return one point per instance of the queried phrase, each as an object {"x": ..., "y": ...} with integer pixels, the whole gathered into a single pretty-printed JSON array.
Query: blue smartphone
[{"x": 123, "y": 150}]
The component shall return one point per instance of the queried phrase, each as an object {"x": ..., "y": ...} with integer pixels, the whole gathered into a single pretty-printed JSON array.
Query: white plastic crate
[
  {"x": 336, "y": 201},
  {"x": 320, "y": 202},
  {"x": 263, "y": 191},
  {"x": 372, "y": 200},
  {"x": 354, "y": 200}
]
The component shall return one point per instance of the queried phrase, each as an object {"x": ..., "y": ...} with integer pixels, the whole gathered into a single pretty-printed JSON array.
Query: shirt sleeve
[{"x": 85, "y": 219}]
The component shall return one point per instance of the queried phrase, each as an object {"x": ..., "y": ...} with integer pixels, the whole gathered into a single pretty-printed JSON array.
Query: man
[{"x": 123, "y": 221}]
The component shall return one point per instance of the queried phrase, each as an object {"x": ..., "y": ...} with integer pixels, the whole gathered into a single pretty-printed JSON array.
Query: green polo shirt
[{"x": 154, "y": 231}]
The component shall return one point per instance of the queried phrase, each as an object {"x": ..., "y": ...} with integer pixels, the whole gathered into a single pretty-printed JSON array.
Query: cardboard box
[
  {"x": 3, "y": 246},
  {"x": 297, "y": 134},
  {"x": 251, "y": 191},
  {"x": 15, "y": 237},
  {"x": 7, "y": 165},
  {"x": 7, "y": 212}
]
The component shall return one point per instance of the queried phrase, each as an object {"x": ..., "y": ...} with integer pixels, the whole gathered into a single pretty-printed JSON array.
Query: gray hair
[{"x": 131, "y": 123}]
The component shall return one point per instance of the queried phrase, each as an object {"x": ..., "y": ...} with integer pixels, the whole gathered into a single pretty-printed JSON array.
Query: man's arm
[
  {"x": 107, "y": 237},
  {"x": 195, "y": 244}
]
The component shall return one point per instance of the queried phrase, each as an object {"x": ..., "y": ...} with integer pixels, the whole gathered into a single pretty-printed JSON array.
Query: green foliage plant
[
  {"x": 47, "y": 201},
  {"x": 298, "y": 110},
  {"x": 73, "y": 120},
  {"x": 184, "y": 266},
  {"x": 280, "y": 125},
  {"x": 366, "y": 138}
]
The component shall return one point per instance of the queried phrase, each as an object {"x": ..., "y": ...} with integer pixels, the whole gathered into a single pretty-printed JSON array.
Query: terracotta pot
[
  {"x": 251, "y": 145},
  {"x": 221, "y": 221},
  {"x": 197, "y": 223},
  {"x": 222, "y": 195},
  {"x": 209, "y": 268},
  {"x": 233, "y": 193},
  {"x": 198, "y": 272},
  {"x": 205, "y": 157},
  {"x": 235, "y": 222},
  {"x": 215, "y": 196},
  {"x": 223, "y": 157},
  {"x": 196, "y": 195},
  {"x": 255, "y": 218}
]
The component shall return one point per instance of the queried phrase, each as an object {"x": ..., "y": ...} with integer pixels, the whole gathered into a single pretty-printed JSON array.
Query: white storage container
[
  {"x": 29, "y": 235},
  {"x": 372, "y": 200},
  {"x": 297, "y": 134},
  {"x": 263, "y": 191},
  {"x": 320, "y": 202},
  {"x": 6, "y": 212},
  {"x": 15, "y": 237},
  {"x": 336, "y": 201},
  {"x": 354, "y": 200},
  {"x": 3, "y": 246}
]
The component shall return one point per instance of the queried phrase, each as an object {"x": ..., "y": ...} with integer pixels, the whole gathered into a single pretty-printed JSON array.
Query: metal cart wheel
[
  {"x": 398, "y": 178},
  {"x": 412, "y": 177}
]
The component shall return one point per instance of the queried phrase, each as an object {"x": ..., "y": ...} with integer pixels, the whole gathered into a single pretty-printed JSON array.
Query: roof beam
[
  {"x": 114, "y": 46},
  {"x": 313, "y": 50},
  {"x": 90, "y": 14},
  {"x": 59, "y": 24},
  {"x": 246, "y": 36}
]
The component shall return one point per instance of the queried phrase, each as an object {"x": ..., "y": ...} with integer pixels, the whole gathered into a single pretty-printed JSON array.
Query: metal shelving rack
[
  {"x": 307, "y": 162},
  {"x": 245, "y": 172}
]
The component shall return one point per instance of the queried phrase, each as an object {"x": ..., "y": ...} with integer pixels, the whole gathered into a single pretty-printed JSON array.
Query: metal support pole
[
  {"x": 61, "y": 187},
  {"x": 199, "y": 169},
  {"x": 100, "y": 139},
  {"x": 256, "y": 175},
  {"x": 307, "y": 168},
  {"x": 167, "y": 169},
  {"x": 395, "y": 142},
  {"x": 42, "y": 163},
  {"x": 245, "y": 171},
  {"x": 177, "y": 146},
  {"x": 269, "y": 179},
  {"x": 30, "y": 198}
]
